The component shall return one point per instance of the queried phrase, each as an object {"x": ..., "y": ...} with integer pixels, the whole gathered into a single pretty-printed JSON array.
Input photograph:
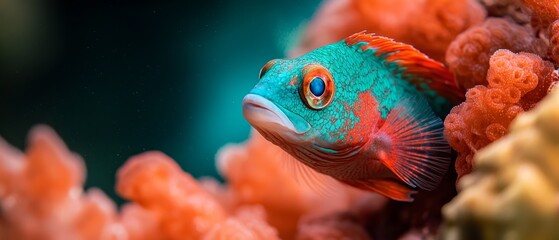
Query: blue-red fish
[{"x": 366, "y": 111}]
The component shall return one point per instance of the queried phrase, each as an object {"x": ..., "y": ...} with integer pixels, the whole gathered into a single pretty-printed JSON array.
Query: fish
[{"x": 365, "y": 111}]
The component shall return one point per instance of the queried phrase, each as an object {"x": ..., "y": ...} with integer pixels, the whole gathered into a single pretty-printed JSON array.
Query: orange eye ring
[
  {"x": 266, "y": 67},
  {"x": 317, "y": 72}
]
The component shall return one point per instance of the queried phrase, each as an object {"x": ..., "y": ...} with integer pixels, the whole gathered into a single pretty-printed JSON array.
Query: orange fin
[
  {"x": 411, "y": 144},
  {"x": 421, "y": 69},
  {"x": 385, "y": 187}
]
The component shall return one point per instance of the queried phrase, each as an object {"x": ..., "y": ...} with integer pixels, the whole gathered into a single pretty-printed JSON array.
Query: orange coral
[
  {"x": 334, "y": 226},
  {"x": 155, "y": 182},
  {"x": 248, "y": 224},
  {"x": 544, "y": 12},
  {"x": 41, "y": 198},
  {"x": 468, "y": 55},
  {"x": 41, "y": 194},
  {"x": 429, "y": 26},
  {"x": 139, "y": 223},
  {"x": 507, "y": 8},
  {"x": 438, "y": 22},
  {"x": 554, "y": 41},
  {"x": 516, "y": 83},
  {"x": 262, "y": 201},
  {"x": 254, "y": 171}
]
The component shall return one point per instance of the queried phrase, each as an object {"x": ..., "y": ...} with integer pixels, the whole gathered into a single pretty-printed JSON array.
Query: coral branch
[
  {"x": 516, "y": 82},
  {"x": 514, "y": 191},
  {"x": 429, "y": 26},
  {"x": 468, "y": 55}
]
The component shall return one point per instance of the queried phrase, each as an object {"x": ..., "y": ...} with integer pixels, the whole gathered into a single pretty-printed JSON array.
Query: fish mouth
[{"x": 261, "y": 113}]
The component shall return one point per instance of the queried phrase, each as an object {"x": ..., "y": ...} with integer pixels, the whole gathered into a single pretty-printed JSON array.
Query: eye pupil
[
  {"x": 317, "y": 86},
  {"x": 317, "y": 90}
]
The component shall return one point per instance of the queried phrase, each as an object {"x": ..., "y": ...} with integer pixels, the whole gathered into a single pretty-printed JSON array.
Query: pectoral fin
[{"x": 411, "y": 144}]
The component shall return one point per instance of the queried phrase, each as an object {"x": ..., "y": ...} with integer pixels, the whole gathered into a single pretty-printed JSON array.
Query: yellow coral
[{"x": 513, "y": 192}]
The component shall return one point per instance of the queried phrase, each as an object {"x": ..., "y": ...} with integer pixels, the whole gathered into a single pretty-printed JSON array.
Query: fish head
[{"x": 316, "y": 107}]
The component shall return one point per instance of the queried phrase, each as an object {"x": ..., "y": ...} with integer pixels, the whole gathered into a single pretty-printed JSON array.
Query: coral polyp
[{"x": 516, "y": 82}]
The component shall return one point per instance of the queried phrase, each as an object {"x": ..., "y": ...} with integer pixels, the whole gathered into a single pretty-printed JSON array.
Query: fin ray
[
  {"x": 418, "y": 152},
  {"x": 323, "y": 185},
  {"x": 387, "y": 188}
]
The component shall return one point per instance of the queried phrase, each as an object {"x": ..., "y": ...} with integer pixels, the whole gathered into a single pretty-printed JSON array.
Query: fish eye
[
  {"x": 266, "y": 67},
  {"x": 317, "y": 90}
]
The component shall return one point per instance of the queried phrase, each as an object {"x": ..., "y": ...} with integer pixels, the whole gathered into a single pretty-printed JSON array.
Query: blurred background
[{"x": 117, "y": 78}]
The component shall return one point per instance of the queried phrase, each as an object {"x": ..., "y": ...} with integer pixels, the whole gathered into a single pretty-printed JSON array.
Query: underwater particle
[
  {"x": 429, "y": 26},
  {"x": 42, "y": 196},
  {"x": 249, "y": 223},
  {"x": 516, "y": 83},
  {"x": 157, "y": 183},
  {"x": 512, "y": 194},
  {"x": 259, "y": 173},
  {"x": 342, "y": 225},
  {"x": 468, "y": 55}
]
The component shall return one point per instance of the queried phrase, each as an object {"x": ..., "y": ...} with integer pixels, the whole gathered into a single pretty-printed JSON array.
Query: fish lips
[{"x": 261, "y": 113}]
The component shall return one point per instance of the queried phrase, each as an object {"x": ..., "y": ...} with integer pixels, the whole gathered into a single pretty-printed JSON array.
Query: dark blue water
[{"x": 123, "y": 77}]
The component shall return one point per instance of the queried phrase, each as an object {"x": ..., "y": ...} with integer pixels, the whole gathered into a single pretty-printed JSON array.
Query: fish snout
[{"x": 262, "y": 113}]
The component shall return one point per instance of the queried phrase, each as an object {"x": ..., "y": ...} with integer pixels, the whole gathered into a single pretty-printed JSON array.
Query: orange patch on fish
[
  {"x": 365, "y": 108},
  {"x": 293, "y": 81}
]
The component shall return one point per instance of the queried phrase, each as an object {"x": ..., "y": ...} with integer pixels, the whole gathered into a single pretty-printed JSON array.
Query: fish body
[{"x": 365, "y": 111}]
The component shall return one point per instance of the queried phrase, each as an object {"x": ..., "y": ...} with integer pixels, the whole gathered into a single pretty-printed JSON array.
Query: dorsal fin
[{"x": 417, "y": 68}]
